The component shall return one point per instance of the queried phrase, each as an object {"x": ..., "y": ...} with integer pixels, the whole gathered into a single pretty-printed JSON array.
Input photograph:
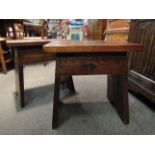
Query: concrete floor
[{"x": 87, "y": 112}]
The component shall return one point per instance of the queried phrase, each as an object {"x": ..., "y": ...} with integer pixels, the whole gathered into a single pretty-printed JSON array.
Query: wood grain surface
[
  {"x": 66, "y": 46},
  {"x": 27, "y": 42}
]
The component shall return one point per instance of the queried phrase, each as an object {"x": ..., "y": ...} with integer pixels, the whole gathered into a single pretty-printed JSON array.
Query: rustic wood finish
[
  {"x": 94, "y": 57},
  {"x": 90, "y": 46},
  {"x": 91, "y": 63},
  {"x": 27, "y": 42},
  {"x": 117, "y": 92}
]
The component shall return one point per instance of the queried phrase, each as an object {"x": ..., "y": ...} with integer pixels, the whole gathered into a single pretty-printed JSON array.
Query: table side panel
[
  {"x": 28, "y": 55},
  {"x": 91, "y": 64}
]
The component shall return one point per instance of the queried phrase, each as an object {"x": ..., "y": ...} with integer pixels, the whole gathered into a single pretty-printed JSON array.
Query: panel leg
[
  {"x": 118, "y": 94},
  {"x": 19, "y": 80},
  {"x": 56, "y": 102}
]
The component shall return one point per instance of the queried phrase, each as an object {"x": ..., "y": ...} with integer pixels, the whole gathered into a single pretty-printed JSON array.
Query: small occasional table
[
  {"x": 29, "y": 51},
  {"x": 91, "y": 58}
]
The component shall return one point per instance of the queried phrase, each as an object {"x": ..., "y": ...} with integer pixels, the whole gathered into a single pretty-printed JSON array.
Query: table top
[
  {"x": 27, "y": 42},
  {"x": 91, "y": 46},
  {"x": 66, "y": 46}
]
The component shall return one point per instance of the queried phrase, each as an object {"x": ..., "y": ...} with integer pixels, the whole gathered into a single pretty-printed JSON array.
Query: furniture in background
[
  {"x": 117, "y": 29},
  {"x": 96, "y": 29},
  {"x": 5, "y": 55},
  {"x": 8, "y": 30},
  {"x": 2, "y": 60},
  {"x": 30, "y": 27},
  {"x": 142, "y": 65},
  {"x": 16, "y": 29},
  {"x": 29, "y": 51},
  {"x": 19, "y": 31},
  {"x": 111, "y": 30},
  {"x": 26, "y": 51},
  {"x": 93, "y": 57},
  {"x": 19, "y": 28},
  {"x": 7, "y": 27}
]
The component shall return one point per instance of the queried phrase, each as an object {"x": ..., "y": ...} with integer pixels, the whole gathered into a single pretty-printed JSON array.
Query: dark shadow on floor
[
  {"x": 41, "y": 95},
  {"x": 36, "y": 97},
  {"x": 67, "y": 111},
  {"x": 144, "y": 100}
]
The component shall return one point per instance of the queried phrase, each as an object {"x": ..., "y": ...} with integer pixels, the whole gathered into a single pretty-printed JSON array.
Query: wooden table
[
  {"x": 29, "y": 51},
  {"x": 91, "y": 58}
]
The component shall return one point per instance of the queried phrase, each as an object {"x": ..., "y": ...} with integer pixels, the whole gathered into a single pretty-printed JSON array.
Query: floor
[{"x": 86, "y": 112}]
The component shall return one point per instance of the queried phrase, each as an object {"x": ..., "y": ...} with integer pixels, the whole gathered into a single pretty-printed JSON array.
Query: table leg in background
[
  {"x": 19, "y": 80},
  {"x": 68, "y": 81}
]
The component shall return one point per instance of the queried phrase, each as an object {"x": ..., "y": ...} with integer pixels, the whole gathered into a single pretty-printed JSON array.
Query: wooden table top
[
  {"x": 66, "y": 46},
  {"x": 27, "y": 42}
]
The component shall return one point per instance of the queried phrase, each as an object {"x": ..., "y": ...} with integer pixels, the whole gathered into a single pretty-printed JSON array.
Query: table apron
[
  {"x": 32, "y": 55},
  {"x": 91, "y": 65}
]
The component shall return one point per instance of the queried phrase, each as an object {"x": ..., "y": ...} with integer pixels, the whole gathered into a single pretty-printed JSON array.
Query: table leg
[
  {"x": 56, "y": 102},
  {"x": 19, "y": 80},
  {"x": 118, "y": 94}
]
